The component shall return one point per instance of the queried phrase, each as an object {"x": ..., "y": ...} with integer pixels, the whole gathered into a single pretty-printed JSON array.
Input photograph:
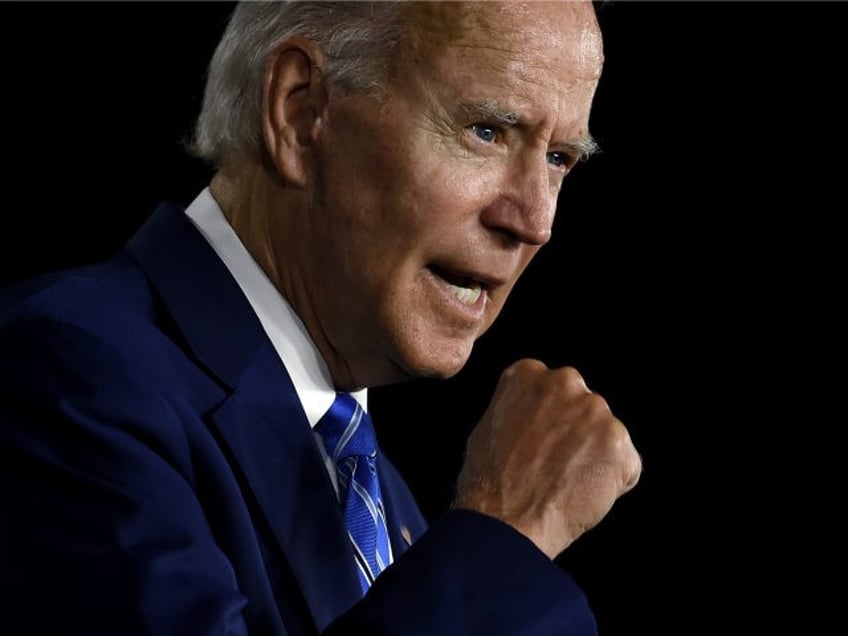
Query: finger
[
  {"x": 572, "y": 378},
  {"x": 635, "y": 471}
]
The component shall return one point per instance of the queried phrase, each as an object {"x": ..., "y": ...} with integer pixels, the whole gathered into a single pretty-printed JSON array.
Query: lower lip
[{"x": 473, "y": 312}]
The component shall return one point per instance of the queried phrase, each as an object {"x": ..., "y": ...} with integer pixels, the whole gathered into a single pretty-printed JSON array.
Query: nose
[{"x": 525, "y": 207}]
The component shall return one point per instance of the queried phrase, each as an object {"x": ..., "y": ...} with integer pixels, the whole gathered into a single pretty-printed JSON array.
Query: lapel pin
[{"x": 404, "y": 532}]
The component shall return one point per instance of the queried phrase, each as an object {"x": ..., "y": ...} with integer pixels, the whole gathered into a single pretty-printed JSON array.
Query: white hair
[{"x": 357, "y": 37}]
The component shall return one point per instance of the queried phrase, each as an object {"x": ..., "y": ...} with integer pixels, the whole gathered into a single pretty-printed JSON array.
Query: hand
[{"x": 548, "y": 457}]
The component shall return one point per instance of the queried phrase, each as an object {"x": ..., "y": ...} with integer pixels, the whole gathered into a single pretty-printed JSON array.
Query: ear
[{"x": 293, "y": 100}]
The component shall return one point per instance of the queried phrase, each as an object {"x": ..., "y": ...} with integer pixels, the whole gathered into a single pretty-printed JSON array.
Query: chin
[{"x": 439, "y": 362}]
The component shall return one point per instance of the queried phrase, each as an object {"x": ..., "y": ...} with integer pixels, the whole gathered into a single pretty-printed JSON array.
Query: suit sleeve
[{"x": 471, "y": 574}]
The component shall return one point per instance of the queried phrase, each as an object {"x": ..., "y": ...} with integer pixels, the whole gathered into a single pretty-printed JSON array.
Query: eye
[
  {"x": 558, "y": 159},
  {"x": 486, "y": 132}
]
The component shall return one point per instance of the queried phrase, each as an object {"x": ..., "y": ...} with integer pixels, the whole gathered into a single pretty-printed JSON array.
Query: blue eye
[
  {"x": 557, "y": 159},
  {"x": 485, "y": 132}
]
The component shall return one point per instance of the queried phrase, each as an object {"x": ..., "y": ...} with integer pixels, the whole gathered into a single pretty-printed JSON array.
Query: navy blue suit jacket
[{"x": 158, "y": 476}]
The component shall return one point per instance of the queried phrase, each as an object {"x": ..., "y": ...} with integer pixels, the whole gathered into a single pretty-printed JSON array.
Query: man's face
[{"x": 429, "y": 202}]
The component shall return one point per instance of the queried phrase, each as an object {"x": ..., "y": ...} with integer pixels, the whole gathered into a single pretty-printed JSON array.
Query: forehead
[{"x": 563, "y": 33}]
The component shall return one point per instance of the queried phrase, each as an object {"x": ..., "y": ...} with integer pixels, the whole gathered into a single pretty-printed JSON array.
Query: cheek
[{"x": 447, "y": 196}]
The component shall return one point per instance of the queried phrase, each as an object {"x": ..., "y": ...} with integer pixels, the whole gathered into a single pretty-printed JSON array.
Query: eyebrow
[
  {"x": 490, "y": 111},
  {"x": 581, "y": 148}
]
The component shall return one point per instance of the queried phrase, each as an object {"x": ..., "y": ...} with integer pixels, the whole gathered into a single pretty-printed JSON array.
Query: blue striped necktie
[{"x": 350, "y": 442}]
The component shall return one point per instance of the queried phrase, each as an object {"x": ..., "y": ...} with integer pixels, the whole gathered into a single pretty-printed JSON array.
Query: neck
[
  {"x": 268, "y": 218},
  {"x": 247, "y": 198}
]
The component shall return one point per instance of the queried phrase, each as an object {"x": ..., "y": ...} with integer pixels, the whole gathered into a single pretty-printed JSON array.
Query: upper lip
[{"x": 462, "y": 276}]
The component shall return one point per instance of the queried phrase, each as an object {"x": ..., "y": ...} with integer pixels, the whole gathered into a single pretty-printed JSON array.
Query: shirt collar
[{"x": 288, "y": 334}]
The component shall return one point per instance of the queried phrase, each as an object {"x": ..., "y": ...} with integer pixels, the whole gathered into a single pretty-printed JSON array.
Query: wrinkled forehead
[{"x": 564, "y": 30}]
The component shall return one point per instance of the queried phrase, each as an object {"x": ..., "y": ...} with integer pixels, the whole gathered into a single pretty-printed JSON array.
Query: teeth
[{"x": 467, "y": 295}]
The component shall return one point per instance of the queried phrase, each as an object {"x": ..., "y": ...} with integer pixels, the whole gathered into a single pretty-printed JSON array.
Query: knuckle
[
  {"x": 524, "y": 365},
  {"x": 617, "y": 439},
  {"x": 636, "y": 469},
  {"x": 571, "y": 379},
  {"x": 597, "y": 405}
]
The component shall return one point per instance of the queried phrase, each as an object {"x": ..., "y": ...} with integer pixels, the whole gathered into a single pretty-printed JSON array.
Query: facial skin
[{"x": 419, "y": 209}]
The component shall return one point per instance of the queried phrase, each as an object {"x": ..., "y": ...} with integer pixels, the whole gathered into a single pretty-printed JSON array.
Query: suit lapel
[
  {"x": 270, "y": 438},
  {"x": 205, "y": 301},
  {"x": 262, "y": 421}
]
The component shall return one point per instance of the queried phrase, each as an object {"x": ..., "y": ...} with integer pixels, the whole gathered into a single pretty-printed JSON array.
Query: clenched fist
[{"x": 548, "y": 457}]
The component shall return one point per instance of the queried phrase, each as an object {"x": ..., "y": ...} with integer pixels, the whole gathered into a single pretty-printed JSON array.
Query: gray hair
[{"x": 357, "y": 37}]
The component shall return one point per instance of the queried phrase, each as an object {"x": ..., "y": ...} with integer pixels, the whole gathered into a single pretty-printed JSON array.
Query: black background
[{"x": 689, "y": 262}]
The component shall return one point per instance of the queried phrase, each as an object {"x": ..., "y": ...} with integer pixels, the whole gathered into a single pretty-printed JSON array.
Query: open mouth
[{"x": 465, "y": 288}]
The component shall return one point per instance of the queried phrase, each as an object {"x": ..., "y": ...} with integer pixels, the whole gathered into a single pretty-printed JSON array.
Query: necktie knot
[{"x": 347, "y": 430}]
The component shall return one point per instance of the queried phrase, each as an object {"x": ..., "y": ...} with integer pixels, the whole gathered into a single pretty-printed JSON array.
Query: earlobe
[{"x": 292, "y": 103}]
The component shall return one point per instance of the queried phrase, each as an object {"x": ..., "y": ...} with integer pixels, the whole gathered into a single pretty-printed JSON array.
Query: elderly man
[{"x": 185, "y": 446}]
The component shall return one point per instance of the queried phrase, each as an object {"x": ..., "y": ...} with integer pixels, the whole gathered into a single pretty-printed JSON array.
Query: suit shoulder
[
  {"x": 99, "y": 321},
  {"x": 87, "y": 295}
]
